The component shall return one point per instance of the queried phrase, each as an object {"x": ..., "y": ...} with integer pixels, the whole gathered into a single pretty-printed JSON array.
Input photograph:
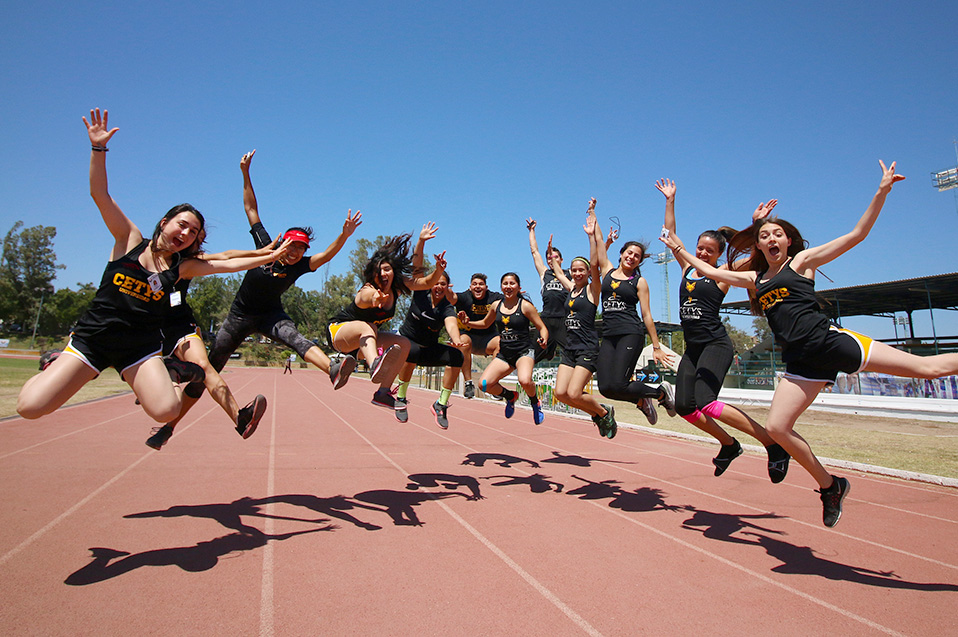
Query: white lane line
[
  {"x": 577, "y": 619},
  {"x": 266, "y": 606}
]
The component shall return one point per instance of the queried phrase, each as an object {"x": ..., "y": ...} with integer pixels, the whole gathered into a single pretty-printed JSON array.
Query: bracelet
[
  {"x": 100, "y": 149},
  {"x": 654, "y": 347}
]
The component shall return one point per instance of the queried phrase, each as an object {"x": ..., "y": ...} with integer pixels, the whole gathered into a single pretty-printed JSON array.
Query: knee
[
  {"x": 162, "y": 412},
  {"x": 612, "y": 388},
  {"x": 29, "y": 409},
  {"x": 684, "y": 405}
]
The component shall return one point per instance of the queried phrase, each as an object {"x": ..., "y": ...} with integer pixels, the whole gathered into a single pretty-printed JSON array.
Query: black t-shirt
[
  {"x": 423, "y": 321},
  {"x": 793, "y": 313},
  {"x": 699, "y": 303},
  {"x": 477, "y": 310},
  {"x": 126, "y": 301},
  {"x": 262, "y": 288},
  {"x": 553, "y": 295}
]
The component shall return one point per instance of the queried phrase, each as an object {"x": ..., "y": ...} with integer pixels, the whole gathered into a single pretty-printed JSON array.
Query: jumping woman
[
  {"x": 709, "y": 351},
  {"x": 623, "y": 290},
  {"x": 123, "y": 326},
  {"x": 780, "y": 278},
  {"x": 581, "y": 351},
  {"x": 513, "y": 315},
  {"x": 428, "y": 313},
  {"x": 553, "y": 294},
  {"x": 388, "y": 275}
]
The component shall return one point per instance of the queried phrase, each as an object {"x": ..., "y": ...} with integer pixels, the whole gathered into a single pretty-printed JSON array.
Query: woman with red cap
[{"x": 258, "y": 305}]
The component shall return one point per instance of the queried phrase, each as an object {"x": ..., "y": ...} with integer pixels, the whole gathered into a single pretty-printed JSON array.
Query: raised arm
[
  {"x": 125, "y": 233},
  {"x": 424, "y": 283},
  {"x": 814, "y": 257},
  {"x": 249, "y": 197},
  {"x": 428, "y": 232},
  {"x": 192, "y": 268},
  {"x": 534, "y": 247},
  {"x": 595, "y": 284},
  {"x": 738, "y": 278},
  {"x": 556, "y": 270},
  {"x": 602, "y": 257},
  {"x": 352, "y": 222},
  {"x": 667, "y": 188}
]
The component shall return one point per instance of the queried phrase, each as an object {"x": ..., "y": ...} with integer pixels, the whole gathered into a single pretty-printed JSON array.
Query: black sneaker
[
  {"x": 647, "y": 407},
  {"x": 161, "y": 435},
  {"x": 340, "y": 370},
  {"x": 183, "y": 371},
  {"x": 832, "y": 499},
  {"x": 668, "y": 398},
  {"x": 777, "y": 463},
  {"x": 382, "y": 362},
  {"x": 384, "y": 398},
  {"x": 439, "y": 411},
  {"x": 469, "y": 390},
  {"x": 402, "y": 414},
  {"x": 249, "y": 416},
  {"x": 611, "y": 427},
  {"x": 725, "y": 456},
  {"x": 46, "y": 358}
]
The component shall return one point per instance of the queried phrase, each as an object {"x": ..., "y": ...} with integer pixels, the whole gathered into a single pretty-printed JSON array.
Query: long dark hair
[
  {"x": 645, "y": 254},
  {"x": 721, "y": 236},
  {"x": 744, "y": 245},
  {"x": 194, "y": 248},
  {"x": 395, "y": 252}
]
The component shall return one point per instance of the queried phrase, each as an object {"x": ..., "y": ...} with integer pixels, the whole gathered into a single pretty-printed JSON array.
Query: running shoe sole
[
  {"x": 161, "y": 436},
  {"x": 344, "y": 369},
  {"x": 441, "y": 419},
  {"x": 383, "y": 362},
  {"x": 647, "y": 407},
  {"x": 258, "y": 408}
]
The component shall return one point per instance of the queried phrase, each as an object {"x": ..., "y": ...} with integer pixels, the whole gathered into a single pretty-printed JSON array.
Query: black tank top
[
  {"x": 514, "y": 334},
  {"x": 619, "y": 301},
  {"x": 580, "y": 322},
  {"x": 553, "y": 295},
  {"x": 374, "y": 315},
  {"x": 699, "y": 304},
  {"x": 793, "y": 313}
]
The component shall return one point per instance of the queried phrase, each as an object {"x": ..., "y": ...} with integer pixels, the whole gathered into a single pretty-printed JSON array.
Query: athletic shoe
[
  {"x": 161, "y": 435},
  {"x": 439, "y": 411},
  {"x": 183, "y": 371},
  {"x": 668, "y": 400},
  {"x": 469, "y": 391},
  {"x": 384, "y": 398},
  {"x": 647, "y": 407},
  {"x": 510, "y": 403},
  {"x": 340, "y": 370},
  {"x": 832, "y": 499},
  {"x": 611, "y": 427},
  {"x": 777, "y": 463},
  {"x": 46, "y": 358},
  {"x": 725, "y": 456},
  {"x": 383, "y": 362},
  {"x": 249, "y": 416},
  {"x": 402, "y": 415},
  {"x": 537, "y": 415}
]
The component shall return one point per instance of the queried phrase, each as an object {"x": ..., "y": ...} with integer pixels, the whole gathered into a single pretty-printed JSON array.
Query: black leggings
[
  {"x": 616, "y": 365},
  {"x": 276, "y": 325},
  {"x": 701, "y": 373}
]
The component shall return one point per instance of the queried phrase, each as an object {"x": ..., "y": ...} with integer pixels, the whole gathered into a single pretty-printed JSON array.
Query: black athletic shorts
[
  {"x": 843, "y": 351},
  {"x": 113, "y": 350},
  {"x": 580, "y": 358},
  {"x": 480, "y": 341},
  {"x": 434, "y": 355},
  {"x": 513, "y": 356}
]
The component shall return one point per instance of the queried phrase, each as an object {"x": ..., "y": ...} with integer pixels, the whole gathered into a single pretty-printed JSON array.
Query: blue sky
[{"x": 477, "y": 116}]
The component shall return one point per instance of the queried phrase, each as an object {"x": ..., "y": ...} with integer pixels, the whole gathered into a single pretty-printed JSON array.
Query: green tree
[
  {"x": 210, "y": 298},
  {"x": 62, "y": 309},
  {"x": 741, "y": 340},
  {"x": 761, "y": 328},
  {"x": 28, "y": 266}
]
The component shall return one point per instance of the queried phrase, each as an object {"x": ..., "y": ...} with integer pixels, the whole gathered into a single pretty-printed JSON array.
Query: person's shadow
[
  {"x": 501, "y": 459},
  {"x": 200, "y": 557},
  {"x": 336, "y": 506},
  {"x": 579, "y": 461},
  {"x": 801, "y": 560},
  {"x": 446, "y": 481},
  {"x": 399, "y": 505},
  {"x": 724, "y": 526},
  {"x": 537, "y": 482}
]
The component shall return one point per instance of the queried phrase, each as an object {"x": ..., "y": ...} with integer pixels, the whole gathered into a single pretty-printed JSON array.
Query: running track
[{"x": 312, "y": 527}]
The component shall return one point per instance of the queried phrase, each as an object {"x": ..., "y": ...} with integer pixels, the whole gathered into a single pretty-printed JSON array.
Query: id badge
[
  {"x": 154, "y": 281},
  {"x": 175, "y": 298}
]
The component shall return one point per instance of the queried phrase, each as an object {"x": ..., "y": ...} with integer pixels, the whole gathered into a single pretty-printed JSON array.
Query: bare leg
[
  {"x": 888, "y": 360},
  {"x": 387, "y": 340},
  {"x": 159, "y": 397},
  {"x": 466, "y": 358},
  {"x": 494, "y": 372},
  {"x": 570, "y": 389},
  {"x": 791, "y": 399},
  {"x": 734, "y": 417},
  {"x": 317, "y": 357},
  {"x": 45, "y": 392},
  {"x": 193, "y": 350}
]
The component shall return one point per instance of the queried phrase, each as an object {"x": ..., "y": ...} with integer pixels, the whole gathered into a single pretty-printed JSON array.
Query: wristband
[{"x": 100, "y": 149}]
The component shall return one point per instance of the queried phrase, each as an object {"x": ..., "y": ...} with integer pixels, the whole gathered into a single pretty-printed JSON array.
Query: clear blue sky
[{"x": 478, "y": 115}]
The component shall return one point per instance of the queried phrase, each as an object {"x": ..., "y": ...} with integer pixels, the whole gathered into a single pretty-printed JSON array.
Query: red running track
[{"x": 336, "y": 519}]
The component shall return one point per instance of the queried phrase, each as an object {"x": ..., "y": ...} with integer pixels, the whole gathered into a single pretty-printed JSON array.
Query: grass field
[{"x": 910, "y": 445}]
